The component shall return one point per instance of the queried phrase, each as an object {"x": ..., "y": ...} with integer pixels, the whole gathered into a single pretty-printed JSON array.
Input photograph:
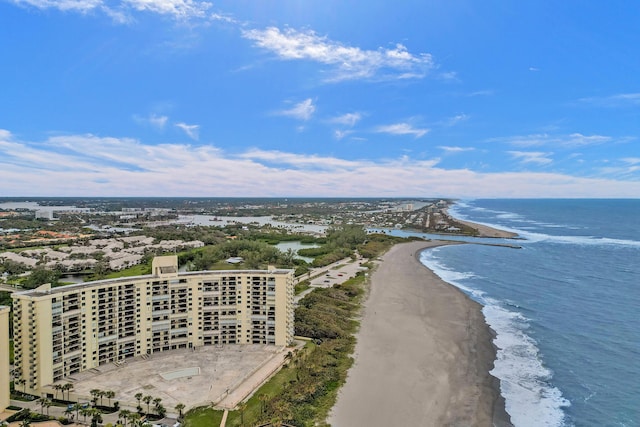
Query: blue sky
[{"x": 454, "y": 98}]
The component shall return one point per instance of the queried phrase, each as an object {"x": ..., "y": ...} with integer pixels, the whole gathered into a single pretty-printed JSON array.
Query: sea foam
[{"x": 524, "y": 381}]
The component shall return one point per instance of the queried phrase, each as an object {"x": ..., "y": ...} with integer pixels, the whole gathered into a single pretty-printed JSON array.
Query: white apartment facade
[
  {"x": 4, "y": 358},
  {"x": 62, "y": 331}
]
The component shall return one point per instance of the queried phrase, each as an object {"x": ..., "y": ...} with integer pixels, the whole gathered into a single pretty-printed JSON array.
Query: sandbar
[{"x": 423, "y": 353}]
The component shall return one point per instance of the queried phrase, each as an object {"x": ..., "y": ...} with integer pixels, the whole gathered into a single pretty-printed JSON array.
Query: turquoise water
[{"x": 565, "y": 306}]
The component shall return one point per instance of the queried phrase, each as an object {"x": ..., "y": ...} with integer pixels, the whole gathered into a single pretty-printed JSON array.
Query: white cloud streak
[
  {"x": 402, "y": 129},
  {"x": 536, "y": 157},
  {"x": 300, "y": 111},
  {"x": 120, "y": 11},
  {"x": 346, "y": 62},
  {"x": 618, "y": 100},
  {"x": 452, "y": 121},
  {"x": 153, "y": 120},
  {"x": 561, "y": 141},
  {"x": 453, "y": 150},
  {"x": 179, "y": 9},
  {"x": 82, "y": 6},
  {"x": 348, "y": 119},
  {"x": 192, "y": 131},
  {"x": 88, "y": 165}
]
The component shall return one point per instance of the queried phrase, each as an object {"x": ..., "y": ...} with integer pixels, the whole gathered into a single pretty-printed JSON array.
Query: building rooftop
[{"x": 47, "y": 290}]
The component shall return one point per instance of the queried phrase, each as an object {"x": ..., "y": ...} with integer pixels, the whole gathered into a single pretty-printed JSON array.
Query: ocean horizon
[{"x": 563, "y": 307}]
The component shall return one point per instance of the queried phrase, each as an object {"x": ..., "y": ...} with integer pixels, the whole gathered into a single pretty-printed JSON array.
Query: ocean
[{"x": 565, "y": 307}]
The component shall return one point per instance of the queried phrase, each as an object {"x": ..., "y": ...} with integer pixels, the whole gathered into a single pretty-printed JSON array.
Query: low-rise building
[{"x": 65, "y": 330}]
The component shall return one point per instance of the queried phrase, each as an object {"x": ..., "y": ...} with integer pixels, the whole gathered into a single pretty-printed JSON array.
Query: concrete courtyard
[{"x": 222, "y": 376}]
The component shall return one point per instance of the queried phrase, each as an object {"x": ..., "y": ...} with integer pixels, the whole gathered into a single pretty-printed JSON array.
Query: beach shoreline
[
  {"x": 423, "y": 352},
  {"x": 485, "y": 230}
]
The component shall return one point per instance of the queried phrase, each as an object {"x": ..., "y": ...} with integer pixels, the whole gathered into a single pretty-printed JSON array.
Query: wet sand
[{"x": 423, "y": 354}]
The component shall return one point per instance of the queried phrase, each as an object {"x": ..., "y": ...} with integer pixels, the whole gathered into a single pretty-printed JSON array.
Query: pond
[{"x": 296, "y": 245}]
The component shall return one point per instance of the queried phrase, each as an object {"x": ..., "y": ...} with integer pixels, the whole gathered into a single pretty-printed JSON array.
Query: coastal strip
[
  {"x": 423, "y": 353},
  {"x": 486, "y": 231}
]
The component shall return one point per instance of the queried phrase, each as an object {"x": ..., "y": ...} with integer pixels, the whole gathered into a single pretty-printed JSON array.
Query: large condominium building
[
  {"x": 4, "y": 357},
  {"x": 62, "y": 331}
]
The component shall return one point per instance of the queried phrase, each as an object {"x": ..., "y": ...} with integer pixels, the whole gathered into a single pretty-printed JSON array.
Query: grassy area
[
  {"x": 255, "y": 407},
  {"x": 302, "y": 286},
  {"x": 203, "y": 417},
  {"x": 136, "y": 270}
]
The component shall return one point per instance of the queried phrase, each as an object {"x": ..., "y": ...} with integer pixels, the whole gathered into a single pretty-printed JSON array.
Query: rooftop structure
[{"x": 66, "y": 330}]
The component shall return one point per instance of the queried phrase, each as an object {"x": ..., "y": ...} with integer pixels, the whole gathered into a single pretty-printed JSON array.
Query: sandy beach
[
  {"x": 423, "y": 354},
  {"x": 486, "y": 231}
]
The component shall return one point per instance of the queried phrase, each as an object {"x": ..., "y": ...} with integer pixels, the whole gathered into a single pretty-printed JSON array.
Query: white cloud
[
  {"x": 562, "y": 141},
  {"x": 340, "y": 134},
  {"x": 88, "y": 165},
  {"x": 618, "y": 100},
  {"x": 452, "y": 121},
  {"x": 348, "y": 119},
  {"x": 192, "y": 131},
  {"x": 485, "y": 92},
  {"x": 82, "y": 6},
  {"x": 301, "y": 111},
  {"x": 299, "y": 160},
  {"x": 120, "y": 10},
  {"x": 180, "y": 9},
  {"x": 347, "y": 62},
  {"x": 448, "y": 75},
  {"x": 158, "y": 121},
  {"x": 535, "y": 157},
  {"x": 452, "y": 150},
  {"x": 631, "y": 160},
  {"x": 153, "y": 120},
  {"x": 402, "y": 129}
]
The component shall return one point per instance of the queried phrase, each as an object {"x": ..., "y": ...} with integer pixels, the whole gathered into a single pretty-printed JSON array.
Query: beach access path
[{"x": 423, "y": 353}]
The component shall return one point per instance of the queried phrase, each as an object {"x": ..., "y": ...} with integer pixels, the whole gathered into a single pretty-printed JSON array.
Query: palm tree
[
  {"x": 157, "y": 401},
  {"x": 109, "y": 395},
  {"x": 134, "y": 417},
  {"x": 85, "y": 412},
  {"x": 68, "y": 412},
  {"x": 56, "y": 388},
  {"x": 241, "y": 407},
  {"x": 263, "y": 402},
  {"x": 42, "y": 401},
  {"x": 125, "y": 414},
  {"x": 96, "y": 417},
  {"x": 67, "y": 387},
  {"x": 25, "y": 422},
  {"x": 161, "y": 410},
  {"x": 138, "y": 397},
  {"x": 179, "y": 407},
  {"x": 95, "y": 393},
  {"x": 77, "y": 407},
  {"x": 47, "y": 404},
  {"x": 147, "y": 400}
]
